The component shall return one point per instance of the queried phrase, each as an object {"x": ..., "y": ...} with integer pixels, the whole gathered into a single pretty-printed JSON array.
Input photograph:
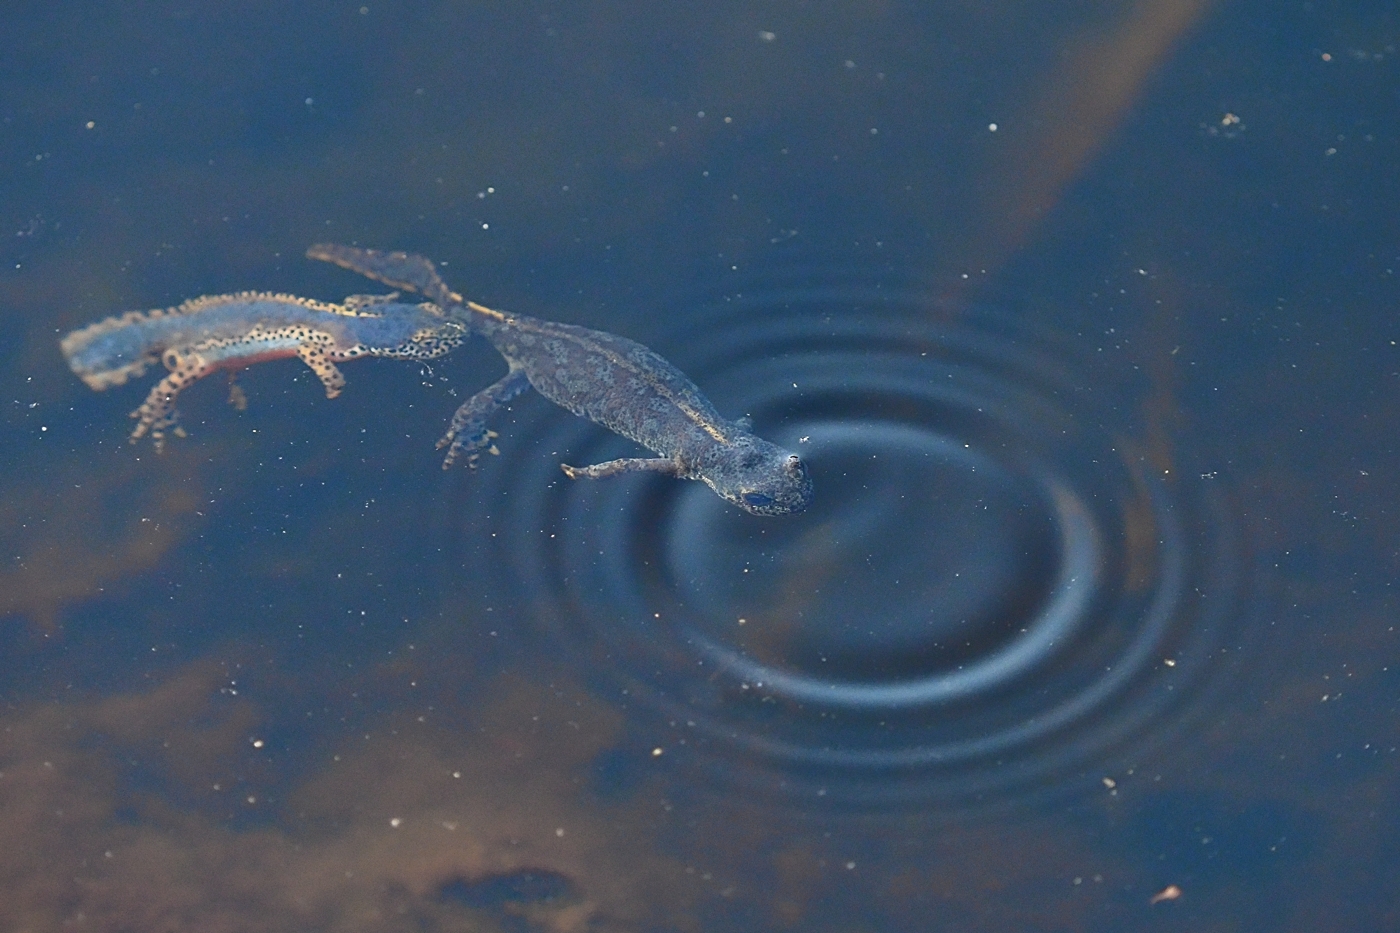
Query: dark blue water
[{"x": 1083, "y": 317}]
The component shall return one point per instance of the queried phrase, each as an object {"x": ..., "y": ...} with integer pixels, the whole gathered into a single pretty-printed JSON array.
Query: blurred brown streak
[
  {"x": 77, "y": 530},
  {"x": 1051, "y": 142},
  {"x": 122, "y": 813}
]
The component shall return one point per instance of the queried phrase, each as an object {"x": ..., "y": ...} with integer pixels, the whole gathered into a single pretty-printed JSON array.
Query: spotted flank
[{"x": 230, "y": 332}]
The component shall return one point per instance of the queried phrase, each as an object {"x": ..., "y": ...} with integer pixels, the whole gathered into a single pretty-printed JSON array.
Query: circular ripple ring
[{"x": 990, "y": 589}]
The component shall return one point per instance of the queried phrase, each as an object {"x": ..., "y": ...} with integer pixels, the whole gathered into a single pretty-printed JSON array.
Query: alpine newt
[
  {"x": 230, "y": 332},
  {"x": 610, "y": 380}
]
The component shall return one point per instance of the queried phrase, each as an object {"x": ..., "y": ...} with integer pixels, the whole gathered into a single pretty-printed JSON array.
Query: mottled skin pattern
[
  {"x": 230, "y": 332},
  {"x": 611, "y": 380}
]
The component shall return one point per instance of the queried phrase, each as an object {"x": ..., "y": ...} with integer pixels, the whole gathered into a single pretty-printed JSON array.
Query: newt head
[
  {"x": 435, "y": 339},
  {"x": 759, "y": 477}
]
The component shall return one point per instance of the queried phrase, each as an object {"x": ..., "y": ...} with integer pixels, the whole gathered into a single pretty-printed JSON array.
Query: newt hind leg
[
  {"x": 468, "y": 434},
  {"x": 157, "y": 413}
]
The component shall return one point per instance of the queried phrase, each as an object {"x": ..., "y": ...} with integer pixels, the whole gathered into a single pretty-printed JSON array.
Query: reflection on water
[
  {"x": 995, "y": 585},
  {"x": 72, "y": 532},
  {"x": 166, "y": 810},
  {"x": 1096, "y": 600}
]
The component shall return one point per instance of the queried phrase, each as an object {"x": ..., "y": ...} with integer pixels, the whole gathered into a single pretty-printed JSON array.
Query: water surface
[{"x": 1083, "y": 319}]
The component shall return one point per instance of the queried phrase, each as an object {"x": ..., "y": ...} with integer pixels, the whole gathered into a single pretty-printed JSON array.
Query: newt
[
  {"x": 230, "y": 332},
  {"x": 610, "y": 380}
]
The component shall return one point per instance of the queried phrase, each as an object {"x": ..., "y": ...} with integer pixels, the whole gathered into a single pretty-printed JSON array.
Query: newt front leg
[{"x": 665, "y": 465}]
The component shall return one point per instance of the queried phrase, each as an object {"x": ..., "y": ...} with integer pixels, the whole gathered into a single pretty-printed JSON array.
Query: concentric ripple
[{"x": 1000, "y": 580}]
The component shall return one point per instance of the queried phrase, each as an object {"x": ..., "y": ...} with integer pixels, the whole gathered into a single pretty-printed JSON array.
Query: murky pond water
[{"x": 1082, "y": 319}]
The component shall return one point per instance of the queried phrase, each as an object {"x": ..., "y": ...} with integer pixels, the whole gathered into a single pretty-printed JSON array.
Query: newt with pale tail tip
[
  {"x": 610, "y": 380},
  {"x": 231, "y": 332}
]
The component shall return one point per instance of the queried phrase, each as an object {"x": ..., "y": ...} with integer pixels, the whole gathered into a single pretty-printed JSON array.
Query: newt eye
[{"x": 757, "y": 499}]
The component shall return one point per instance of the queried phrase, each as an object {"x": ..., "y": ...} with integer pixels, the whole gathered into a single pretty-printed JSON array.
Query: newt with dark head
[{"x": 608, "y": 379}]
